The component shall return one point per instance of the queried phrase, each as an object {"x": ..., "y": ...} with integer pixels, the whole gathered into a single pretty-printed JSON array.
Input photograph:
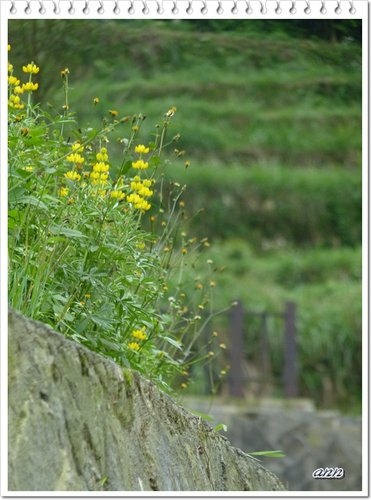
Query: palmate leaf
[{"x": 65, "y": 231}]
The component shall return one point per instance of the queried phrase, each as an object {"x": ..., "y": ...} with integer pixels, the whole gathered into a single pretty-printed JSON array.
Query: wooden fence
[{"x": 239, "y": 318}]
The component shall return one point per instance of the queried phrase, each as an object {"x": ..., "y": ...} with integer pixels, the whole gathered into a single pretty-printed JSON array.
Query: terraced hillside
[{"x": 270, "y": 121}]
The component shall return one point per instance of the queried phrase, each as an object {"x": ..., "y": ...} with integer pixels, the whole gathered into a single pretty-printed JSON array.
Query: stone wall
[
  {"x": 77, "y": 421},
  {"x": 310, "y": 439}
]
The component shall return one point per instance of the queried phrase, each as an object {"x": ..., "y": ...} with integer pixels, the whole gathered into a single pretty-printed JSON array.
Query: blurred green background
[{"x": 269, "y": 114}]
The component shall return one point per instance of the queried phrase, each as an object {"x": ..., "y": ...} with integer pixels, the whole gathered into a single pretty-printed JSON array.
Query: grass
[
  {"x": 254, "y": 98},
  {"x": 247, "y": 124},
  {"x": 326, "y": 286},
  {"x": 269, "y": 206}
]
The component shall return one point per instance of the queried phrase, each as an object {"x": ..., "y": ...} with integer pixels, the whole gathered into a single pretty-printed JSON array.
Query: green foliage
[
  {"x": 269, "y": 206},
  {"x": 326, "y": 286},
  {"x": 268, "y": 454},
  {"x": 79, "y": 256},
  {"x": 270, "y": 114},
  {"x": 296, "y": 101}
]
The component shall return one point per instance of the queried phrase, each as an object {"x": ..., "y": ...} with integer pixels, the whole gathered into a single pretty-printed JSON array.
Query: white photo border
[{"x": 185, "y": 9}]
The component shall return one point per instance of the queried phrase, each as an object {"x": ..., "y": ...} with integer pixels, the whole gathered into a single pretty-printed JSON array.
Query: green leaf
[
  {"x": 204, "y": 416},
  {"x": 60, "y": 298},
  {"x": 70, "y": 233},
  {"x": 35, "y": 137},
  {"x": 101, "y": 321},
  {"x": 155, "y": 161},
  {"x": 173, "y": 342},
  {"x": 15, "y": 194},
  {"x": 270, "y": 454},
  {"x": 31, "y": 200},
  {"x": 114, "y": 346},
  {"x": 220, "y": 427},
  {"x": 50, "y": 170},
  {"x": 126, "y": 167},
  {"x": 14, "y": 218}
]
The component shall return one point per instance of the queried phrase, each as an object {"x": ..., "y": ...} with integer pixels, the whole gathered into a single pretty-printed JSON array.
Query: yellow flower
[
  {"x": 65, "y": 72},
  {"x": 12, "y": 80},
  {"x": 141, "y": 149},
  {"x": 96, "y": 100},
  {"x": 134, "y": 346},
  {"x": 134, "y": 198},
  {"x": 28, "y": 168},
  {"x": 102, "y": 155},
  {"x": 72, "y": 175},
  {"x": 98, "y": 178},
  {"x": 145, "y": 192},
  {"x": 98, "y": 192},
  {"x": 139, "y": 334},
  {"x": 140, "y": 164},
  {"x": 15, "y": 102},
  {"x": 141, "y": 188},
  {"x": 31, "y": 68},
  {"x": 9, "y": 47},
  {"x": 117, "y": 195},
  {"x": 18, "y": 89},
  {"x": 100, "y": 167},
  {"x": 30, "y": 87},
  {"x": 63, "y": 191},
  {"x": 138, "y": 202},
  {"x": 77, "y": 147},
  {"x": 113, "y": 112},
  {"x": 75, "y": 158}
]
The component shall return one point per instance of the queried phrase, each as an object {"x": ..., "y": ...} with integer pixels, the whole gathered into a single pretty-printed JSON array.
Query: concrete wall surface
[{"x": 79, "y": 422}]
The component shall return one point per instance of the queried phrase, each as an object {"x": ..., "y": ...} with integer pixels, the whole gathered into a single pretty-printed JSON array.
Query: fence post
[
  {"x": 265, "y": 353},
  {"x": 290, "y": 375},
  {"x": 235, "y": 379}
]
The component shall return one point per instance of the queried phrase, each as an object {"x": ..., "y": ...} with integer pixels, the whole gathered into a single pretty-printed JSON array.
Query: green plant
[
  {"x": 85, "y": 255},
  {"x": 325, "y": 284}
]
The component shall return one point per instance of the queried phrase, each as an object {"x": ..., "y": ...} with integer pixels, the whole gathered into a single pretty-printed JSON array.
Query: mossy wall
[{"x": 77, "y": 421}]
